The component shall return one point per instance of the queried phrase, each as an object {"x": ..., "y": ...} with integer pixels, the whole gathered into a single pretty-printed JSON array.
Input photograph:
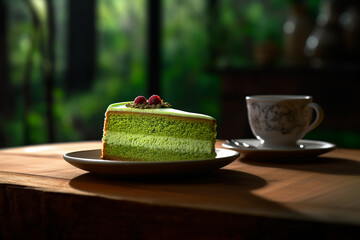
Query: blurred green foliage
[{"x": 188, "y": 80}]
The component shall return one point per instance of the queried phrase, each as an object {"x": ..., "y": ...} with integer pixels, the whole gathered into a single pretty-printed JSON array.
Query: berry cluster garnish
[{"x": 154, "y": 102}]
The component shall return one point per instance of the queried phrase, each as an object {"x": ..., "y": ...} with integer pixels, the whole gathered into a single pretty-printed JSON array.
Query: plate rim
[{"x": 136, "y": 162}]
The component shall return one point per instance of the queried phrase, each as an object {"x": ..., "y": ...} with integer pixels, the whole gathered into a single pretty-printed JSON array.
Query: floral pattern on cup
[{"x": 277, "y": 117}]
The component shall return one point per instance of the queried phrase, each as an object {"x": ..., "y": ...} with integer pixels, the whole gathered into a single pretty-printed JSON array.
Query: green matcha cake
[{"x": 150, "y": 130}]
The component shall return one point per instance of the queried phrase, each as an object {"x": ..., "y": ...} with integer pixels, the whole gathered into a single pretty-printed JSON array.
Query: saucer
[{"x": 309, "y": 148}]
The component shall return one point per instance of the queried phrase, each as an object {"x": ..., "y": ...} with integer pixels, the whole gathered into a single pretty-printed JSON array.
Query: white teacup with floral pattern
[{"x": 279, "y": 121}]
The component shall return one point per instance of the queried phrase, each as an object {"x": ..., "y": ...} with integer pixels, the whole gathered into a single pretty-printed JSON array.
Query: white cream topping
[{"x": 163, "y": 111}]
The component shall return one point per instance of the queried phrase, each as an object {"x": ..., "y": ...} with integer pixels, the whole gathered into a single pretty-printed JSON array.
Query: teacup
[{"x": 279, "y": 121}]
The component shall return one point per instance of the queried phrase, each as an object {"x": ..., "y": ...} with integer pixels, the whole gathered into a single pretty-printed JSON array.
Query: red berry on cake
[
  {"x": 154, "y": 99},
  {"x": 140, "y": 100}
]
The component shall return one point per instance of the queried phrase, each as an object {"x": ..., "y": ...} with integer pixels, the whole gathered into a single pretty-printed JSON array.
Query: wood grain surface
[{"x": 46, "y": 197}]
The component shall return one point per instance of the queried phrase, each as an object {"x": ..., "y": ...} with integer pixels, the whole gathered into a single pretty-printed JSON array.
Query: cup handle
[{"x": 319, "y": 116}]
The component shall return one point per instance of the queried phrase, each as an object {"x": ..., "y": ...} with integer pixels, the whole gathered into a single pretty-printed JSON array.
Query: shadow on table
[
  {"x": 225, "y": 189},
  {"x": 329, "y": 165},
  {"x": 222, "y": 177}
]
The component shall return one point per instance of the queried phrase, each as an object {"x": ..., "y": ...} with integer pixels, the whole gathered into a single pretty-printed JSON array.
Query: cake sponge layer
[
  {"x": 156, "y": 148},
  {"x": 119, "y": 152},
  {"x": 158, "y": 125}
]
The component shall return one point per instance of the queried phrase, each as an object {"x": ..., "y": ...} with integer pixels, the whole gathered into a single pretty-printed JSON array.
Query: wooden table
[{"x": 44, "y": 197}]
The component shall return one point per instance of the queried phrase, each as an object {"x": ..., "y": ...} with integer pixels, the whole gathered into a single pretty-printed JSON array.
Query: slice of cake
[{"x": 153, "y": 131}]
